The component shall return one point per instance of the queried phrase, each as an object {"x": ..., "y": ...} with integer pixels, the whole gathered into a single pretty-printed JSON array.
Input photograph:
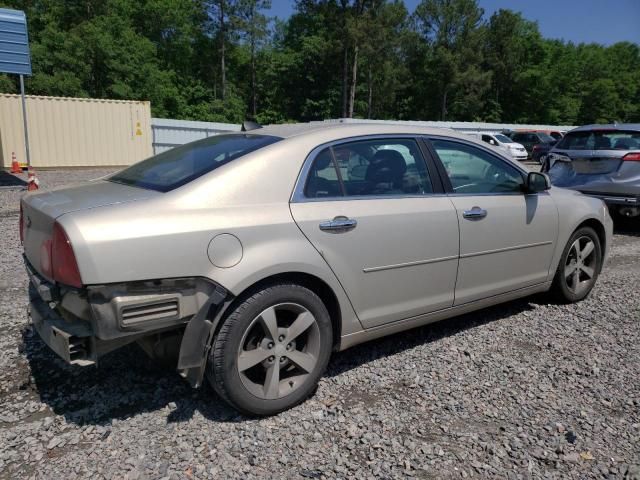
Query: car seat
[{"x": 385, "y": 172}]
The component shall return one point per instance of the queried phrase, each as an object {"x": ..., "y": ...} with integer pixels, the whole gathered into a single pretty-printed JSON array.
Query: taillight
[
  {"x": 632, "y": 157},
  {"x": 64, "y": 268},
  {"x": 21, "y": 224}
]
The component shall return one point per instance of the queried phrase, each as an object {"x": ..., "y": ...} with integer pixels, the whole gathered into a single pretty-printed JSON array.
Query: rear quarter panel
[{"x": 168, "y": 236}]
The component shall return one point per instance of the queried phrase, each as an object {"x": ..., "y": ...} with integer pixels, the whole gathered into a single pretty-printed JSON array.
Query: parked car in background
[
  {"x": 255, "y": 255},
  {"x": 515, "y": 150},
  {"x": 556, "y": 134},
  {"x": 602, "y": 161},
  {"x": 537, "y": 144}
]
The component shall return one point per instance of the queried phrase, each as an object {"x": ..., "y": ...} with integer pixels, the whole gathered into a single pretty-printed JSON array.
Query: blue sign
[{"x": 14, "y": 42}]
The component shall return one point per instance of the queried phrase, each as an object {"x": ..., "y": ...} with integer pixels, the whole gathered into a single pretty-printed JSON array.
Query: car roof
[
  {"x": 608, "y": 126},
  {"x": 341, "y": 130},
  {"x": 536, "y": 131}
]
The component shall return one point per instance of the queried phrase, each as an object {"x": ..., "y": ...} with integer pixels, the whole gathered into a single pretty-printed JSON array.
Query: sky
[{"x": 578, "y": 21}]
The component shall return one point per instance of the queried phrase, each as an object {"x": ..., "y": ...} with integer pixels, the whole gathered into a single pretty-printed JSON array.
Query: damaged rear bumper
[
  {"x": 82, "y": 325},
  {"x": 74, "y": 343}
]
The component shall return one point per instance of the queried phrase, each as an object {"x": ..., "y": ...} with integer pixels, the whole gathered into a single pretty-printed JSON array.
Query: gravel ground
[{"x": 523, "y": 390}]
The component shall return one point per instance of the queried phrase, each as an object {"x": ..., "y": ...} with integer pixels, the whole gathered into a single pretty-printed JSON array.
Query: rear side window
[
  {"x": 601, "y": 140},
  {"x": 369, "y": 168},
  {"x": 179, "y": 166}
]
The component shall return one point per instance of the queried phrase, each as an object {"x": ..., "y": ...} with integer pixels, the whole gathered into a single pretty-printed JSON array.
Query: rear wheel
[
  {"x": 579, "y": 266},
  {"x": 271, "y": 350}
]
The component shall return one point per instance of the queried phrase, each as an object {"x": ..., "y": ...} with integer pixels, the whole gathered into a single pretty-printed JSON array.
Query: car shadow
[
  {"x": 11, "y": 181},
  {"x": 408, "y": 339},
  {"x": 627, "y": 226},
  {"x": 124, "y": 384},
  {"x": 128, "y": 383}
]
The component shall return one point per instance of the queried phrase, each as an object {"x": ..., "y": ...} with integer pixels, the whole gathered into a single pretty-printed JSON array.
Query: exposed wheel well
[
  {"x": 599, "y": 229},
  {"x": 313, "y": 283}
]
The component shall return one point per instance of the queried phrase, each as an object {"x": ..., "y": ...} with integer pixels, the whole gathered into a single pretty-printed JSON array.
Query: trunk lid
[
  {"x": 593, "y": 162},
  {"x": 40, "y": 210},
  {"x": 595, "y": 171}
]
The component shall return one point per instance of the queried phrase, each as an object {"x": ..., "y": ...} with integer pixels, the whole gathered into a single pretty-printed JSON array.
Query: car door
[
  {"x": 507, "y": 237},
  {"x": 379, "y": 217}
]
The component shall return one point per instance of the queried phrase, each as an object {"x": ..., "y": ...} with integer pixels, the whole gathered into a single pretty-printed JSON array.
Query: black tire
[
  {"x": 223, "y": 369},
  {"x": 561, "y": 288}
]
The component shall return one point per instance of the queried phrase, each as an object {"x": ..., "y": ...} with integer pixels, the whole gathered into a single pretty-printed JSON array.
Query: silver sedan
[{"x": 248, "y": 258}]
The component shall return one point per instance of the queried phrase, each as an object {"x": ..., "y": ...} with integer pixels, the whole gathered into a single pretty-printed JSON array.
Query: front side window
[
  {"x": 369, "y": 168},
  {"x": 474, "y": 171},
  {"x": 179, "y": 166}
]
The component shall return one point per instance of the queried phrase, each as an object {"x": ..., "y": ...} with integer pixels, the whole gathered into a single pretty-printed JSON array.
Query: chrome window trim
[
  {"x": 298, "y": 191},
  {"x": 497, "y": 194}
]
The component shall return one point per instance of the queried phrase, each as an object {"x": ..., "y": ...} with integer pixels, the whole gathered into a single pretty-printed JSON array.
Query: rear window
[
  {"x": 179, "y": 166},
  {"x": 601, "y": 140}
]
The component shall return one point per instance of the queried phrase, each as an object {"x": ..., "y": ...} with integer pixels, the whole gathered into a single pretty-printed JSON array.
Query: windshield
[
  {"x": 601, "y": 140},
  {"x": 178, "y": 166},
  {"x": 503, "y": 138},
  {"x": 545, "y": 137}
]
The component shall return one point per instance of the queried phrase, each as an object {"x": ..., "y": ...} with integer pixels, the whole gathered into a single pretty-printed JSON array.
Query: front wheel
[
  {"x": 579, "y": 266},
  {"x": 271, "y": 350}
]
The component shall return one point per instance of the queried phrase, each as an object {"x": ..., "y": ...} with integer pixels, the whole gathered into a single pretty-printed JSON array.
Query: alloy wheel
[
  {"x": 580, "y": 266},
  {"x": 278, "y": 351}
]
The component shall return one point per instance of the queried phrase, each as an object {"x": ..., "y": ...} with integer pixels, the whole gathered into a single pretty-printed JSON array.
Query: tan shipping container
[{"x": 75, "y": 132}]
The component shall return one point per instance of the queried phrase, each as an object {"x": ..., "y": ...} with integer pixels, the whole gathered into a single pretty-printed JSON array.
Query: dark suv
[
  {"x": 537, "y": 144},
  {"x": 601, "y": 161}
]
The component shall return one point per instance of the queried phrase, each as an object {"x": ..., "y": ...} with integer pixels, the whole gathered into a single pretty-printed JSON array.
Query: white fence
[
  {"x": 167, "y": 133},
  {"x": 460, "y": 126},
  {"x": 171, "y": 133}
]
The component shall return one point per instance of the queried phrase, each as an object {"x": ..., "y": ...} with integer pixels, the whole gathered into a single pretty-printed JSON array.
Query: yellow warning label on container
[{"x": 138, "y": 129}]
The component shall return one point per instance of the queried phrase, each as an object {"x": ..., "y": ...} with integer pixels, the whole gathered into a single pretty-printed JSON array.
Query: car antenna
[{"x": 248, "y": 125}]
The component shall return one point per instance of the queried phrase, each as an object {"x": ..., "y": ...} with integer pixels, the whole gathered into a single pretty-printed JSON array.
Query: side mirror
[{"x": 537, "y": 182}]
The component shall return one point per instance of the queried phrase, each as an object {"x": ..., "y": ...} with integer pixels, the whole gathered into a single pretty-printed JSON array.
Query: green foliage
[{"x": 444, "y": 61}]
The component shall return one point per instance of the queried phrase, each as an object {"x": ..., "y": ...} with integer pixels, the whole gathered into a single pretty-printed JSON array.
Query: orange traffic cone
[
  {"x": 15, "y": 166},
  {"x": 32, "y": 182}
]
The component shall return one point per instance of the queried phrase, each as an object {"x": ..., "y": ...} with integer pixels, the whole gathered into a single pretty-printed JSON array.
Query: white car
[{"x": 515, "y": 150}]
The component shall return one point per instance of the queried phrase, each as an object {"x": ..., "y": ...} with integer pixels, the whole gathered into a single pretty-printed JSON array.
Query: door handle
[
  {"x": 339, "y": 224},
  {"x": 476, "y": 213}
]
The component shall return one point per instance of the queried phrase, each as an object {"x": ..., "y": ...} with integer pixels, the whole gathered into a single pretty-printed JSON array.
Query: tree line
[{"x": 226, "y": 60}]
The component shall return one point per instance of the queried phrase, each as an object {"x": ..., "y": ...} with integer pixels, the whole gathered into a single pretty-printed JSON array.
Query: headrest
[{"x": 385, "y": 166}]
